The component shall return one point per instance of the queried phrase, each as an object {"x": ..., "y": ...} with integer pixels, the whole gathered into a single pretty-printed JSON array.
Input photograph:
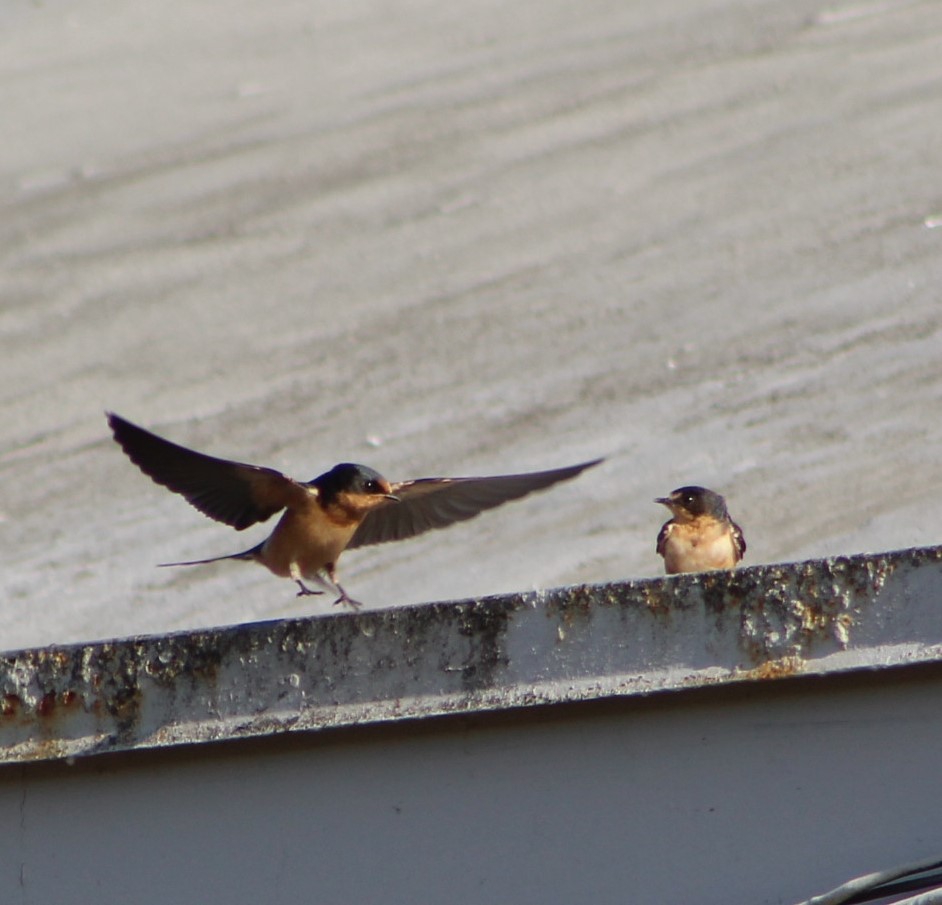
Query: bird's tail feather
[{"x": 245, "y": 554}]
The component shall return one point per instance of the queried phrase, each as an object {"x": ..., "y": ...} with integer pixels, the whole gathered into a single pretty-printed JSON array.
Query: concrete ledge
[{"x": 544, "y": 647}]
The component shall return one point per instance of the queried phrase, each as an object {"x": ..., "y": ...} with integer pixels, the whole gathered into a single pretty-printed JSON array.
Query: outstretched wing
[
  {"x": 429, "y": 503},
  {"x": 231, "y": 492}
]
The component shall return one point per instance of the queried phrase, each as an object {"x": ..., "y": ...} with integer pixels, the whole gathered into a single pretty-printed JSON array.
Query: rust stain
[
  {"x": 48, "y": 749},
  {"x": 774, "y": 669},
  {"x": 572, "y": 605},
  {"x": 656, "y": 603},
  {"x": 795, "y": 606}
]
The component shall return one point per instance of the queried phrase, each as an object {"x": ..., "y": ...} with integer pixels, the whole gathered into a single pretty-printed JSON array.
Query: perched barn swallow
[
  {"x": 701, "y": 535},
  {"x": 348, "y": 506}
]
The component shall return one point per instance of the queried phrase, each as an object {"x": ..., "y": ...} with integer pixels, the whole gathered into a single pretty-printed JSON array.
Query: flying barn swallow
[
  {"x": 346, "y": 507},
  {"x": 701, "y": 535}
]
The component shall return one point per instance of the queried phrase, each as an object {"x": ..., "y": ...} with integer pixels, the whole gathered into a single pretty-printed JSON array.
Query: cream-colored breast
[
  {"x": 695, "y": 547},
  {"x": 305, "y": 541}
]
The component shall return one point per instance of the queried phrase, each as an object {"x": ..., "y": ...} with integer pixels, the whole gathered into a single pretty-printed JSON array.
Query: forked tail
[{"x": 245, "y": 554}]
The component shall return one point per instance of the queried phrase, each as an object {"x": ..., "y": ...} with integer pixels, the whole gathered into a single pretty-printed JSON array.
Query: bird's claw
[
  {"x": 353, "y": 604},
  {"x": 306, "y": 591}
]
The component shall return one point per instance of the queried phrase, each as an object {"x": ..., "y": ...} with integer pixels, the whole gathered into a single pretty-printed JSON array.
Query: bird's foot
[
  {"x": 347, "y": 599},
  {"x": 306, "y": 591}
]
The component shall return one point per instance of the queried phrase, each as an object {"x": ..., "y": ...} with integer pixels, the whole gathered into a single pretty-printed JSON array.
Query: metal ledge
[{"x": 544, "y": 647}]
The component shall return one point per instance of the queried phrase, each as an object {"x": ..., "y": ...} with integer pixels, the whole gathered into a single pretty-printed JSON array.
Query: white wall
[{"x": 762, "y": 794}]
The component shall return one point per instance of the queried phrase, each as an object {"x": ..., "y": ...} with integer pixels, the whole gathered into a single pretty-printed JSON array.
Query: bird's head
[
  {"x": 688, "y": 503},
  {"x": 356, "y": 487}
]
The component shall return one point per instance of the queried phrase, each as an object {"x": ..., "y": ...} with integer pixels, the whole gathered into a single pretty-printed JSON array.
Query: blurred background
[{"x": 702, "y": 239}]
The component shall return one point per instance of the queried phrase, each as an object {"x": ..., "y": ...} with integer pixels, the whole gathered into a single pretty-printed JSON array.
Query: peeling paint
[{"x": 550, "y": 646}]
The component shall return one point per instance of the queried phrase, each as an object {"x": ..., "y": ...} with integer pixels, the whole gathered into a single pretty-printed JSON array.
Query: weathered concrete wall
[
  {"x": 567, "y": 644},
  {"x": 757, "y": 794}
]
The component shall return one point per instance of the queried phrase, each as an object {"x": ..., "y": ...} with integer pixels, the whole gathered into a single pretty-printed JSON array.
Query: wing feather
[
  {"x": 428, "y": 503},
  {"x": 231, "y": 492},
  {"x": 662, "y": 536},
  {"x": 739, "y": 540}
]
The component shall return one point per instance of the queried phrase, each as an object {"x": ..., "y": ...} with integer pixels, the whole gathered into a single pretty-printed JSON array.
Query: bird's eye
[{"x": 372, "y": 486}]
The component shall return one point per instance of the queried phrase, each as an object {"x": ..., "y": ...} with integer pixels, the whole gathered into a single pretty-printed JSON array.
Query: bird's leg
[
  {"x": 346, "y": 598},
  {"x": 330, "y": 570},
  {"x": 295, "y": 571}
]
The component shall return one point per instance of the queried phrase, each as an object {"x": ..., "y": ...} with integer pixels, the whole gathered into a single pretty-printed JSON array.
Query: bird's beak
[
  {"x": 392, "y": 498},
  {"x": 663, "y": 500}
]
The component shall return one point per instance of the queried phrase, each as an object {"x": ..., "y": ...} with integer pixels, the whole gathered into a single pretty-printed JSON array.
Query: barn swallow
[
  {"x": 701, "y": 535},
  {"x": 346, "y": 507}
]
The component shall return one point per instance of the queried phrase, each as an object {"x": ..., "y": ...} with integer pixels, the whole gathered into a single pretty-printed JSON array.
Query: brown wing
[
  {"x": 662, "y": 536},
  {"x": 429, "y": 503},
  {"x": 739, "y": 541},
  {"x": 231, "y": 492}
]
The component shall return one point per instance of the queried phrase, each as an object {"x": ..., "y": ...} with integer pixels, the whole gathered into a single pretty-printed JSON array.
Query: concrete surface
[{"x": 701, "y": 238}]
